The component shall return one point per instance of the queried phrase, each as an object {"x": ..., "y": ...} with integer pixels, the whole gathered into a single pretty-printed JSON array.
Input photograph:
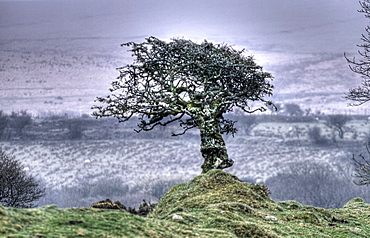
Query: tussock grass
[{"x": 216, "y": 204}]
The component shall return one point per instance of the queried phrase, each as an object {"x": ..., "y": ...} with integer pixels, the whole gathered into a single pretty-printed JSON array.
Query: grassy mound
[
  {"x": 215, "y": 204},
  {"x": 220, "y": 201}
]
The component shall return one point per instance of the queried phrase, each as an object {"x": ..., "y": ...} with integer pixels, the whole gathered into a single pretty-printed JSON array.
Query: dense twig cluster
[
  {"x": 362, "y": 169},
  {"x": 17, "y": 188}
]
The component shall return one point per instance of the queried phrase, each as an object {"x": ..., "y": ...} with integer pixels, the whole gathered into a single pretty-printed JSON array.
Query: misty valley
[{"x": 81, "y": 160}]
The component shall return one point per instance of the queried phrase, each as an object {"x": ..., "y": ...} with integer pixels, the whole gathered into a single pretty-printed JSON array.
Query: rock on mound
[
  {"x": 108, "y": 204},
  {"x": 143, "y": 210}
]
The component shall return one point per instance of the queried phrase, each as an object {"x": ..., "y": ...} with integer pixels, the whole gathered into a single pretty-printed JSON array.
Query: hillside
[{"x": 216, "y": 204}]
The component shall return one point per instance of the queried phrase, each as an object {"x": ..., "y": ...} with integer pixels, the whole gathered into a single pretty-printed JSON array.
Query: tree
[
  {"x": 292, "y": 109},
  {"x": 249, "y": 122},
  {"x": 337, "y": 122},
  {"x": 194, "y": 84},
  {"x": 361, "y": 94},
  {"x": 17, "y": 188},
  {"x": 362, "y": 169}
]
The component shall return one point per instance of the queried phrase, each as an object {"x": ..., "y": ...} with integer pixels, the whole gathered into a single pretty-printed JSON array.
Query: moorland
[{"x": 81, "y": 160}]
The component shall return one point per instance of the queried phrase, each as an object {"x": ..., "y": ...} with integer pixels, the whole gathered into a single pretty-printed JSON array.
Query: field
[{"x": 111, "y": 153}]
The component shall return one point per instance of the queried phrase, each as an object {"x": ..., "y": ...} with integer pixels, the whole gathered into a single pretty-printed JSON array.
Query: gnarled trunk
[{"x": 212, "y": 146}]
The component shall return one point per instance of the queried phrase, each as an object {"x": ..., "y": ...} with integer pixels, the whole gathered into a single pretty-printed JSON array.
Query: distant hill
[{"x": 58, "y": 56}]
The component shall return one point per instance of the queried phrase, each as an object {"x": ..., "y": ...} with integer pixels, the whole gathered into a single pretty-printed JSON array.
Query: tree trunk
[{"x": 212, "y": 146}]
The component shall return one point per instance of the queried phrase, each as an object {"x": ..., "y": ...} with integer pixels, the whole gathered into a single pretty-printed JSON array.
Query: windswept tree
[
  {"x": 361, "y": 94},
  {"x": 194, "y": 84}
]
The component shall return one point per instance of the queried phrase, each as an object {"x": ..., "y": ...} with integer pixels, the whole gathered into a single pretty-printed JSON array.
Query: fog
[
  {"x": 297, "y": 26},
  {"x": 300, "y": 42}
]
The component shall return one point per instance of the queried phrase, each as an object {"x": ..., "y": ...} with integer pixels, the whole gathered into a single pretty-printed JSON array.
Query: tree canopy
[{"x": 195, "y": 84}]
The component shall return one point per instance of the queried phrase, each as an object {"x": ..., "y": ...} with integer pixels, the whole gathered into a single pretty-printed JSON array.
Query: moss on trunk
[{"x": 213, "y": 146}]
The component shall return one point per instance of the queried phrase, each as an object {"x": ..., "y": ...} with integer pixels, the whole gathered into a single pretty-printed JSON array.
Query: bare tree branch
[
  {"x": 361, "y": 94},
  {"x": 362, "y": 169}
]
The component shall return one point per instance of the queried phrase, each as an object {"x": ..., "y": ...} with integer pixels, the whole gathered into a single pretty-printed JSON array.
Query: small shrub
[
  {"x": 314, "y": 134},
  {"x": 17, "y": 188}
]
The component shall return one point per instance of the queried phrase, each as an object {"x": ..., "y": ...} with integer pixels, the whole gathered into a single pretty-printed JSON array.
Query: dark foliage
[
  {"x": 292, "y": 109},
  {"x": 314, "y": 134},
  {"x": 143, "y": 210},
  {"x": 17, "y": 188}
]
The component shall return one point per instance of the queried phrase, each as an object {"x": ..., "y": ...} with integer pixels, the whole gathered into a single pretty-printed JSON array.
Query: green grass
[
  {"x": 215, "y": 204},
  {"x": 87, "y": 222}
]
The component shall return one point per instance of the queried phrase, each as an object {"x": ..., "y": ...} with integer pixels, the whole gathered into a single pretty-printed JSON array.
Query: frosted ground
[{"x": 272, "y": 148}]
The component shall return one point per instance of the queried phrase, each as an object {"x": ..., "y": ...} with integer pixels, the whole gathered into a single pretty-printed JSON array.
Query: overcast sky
[
  {"x": 304, "y": 25},
  {"x": 272, "y": 30}
]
